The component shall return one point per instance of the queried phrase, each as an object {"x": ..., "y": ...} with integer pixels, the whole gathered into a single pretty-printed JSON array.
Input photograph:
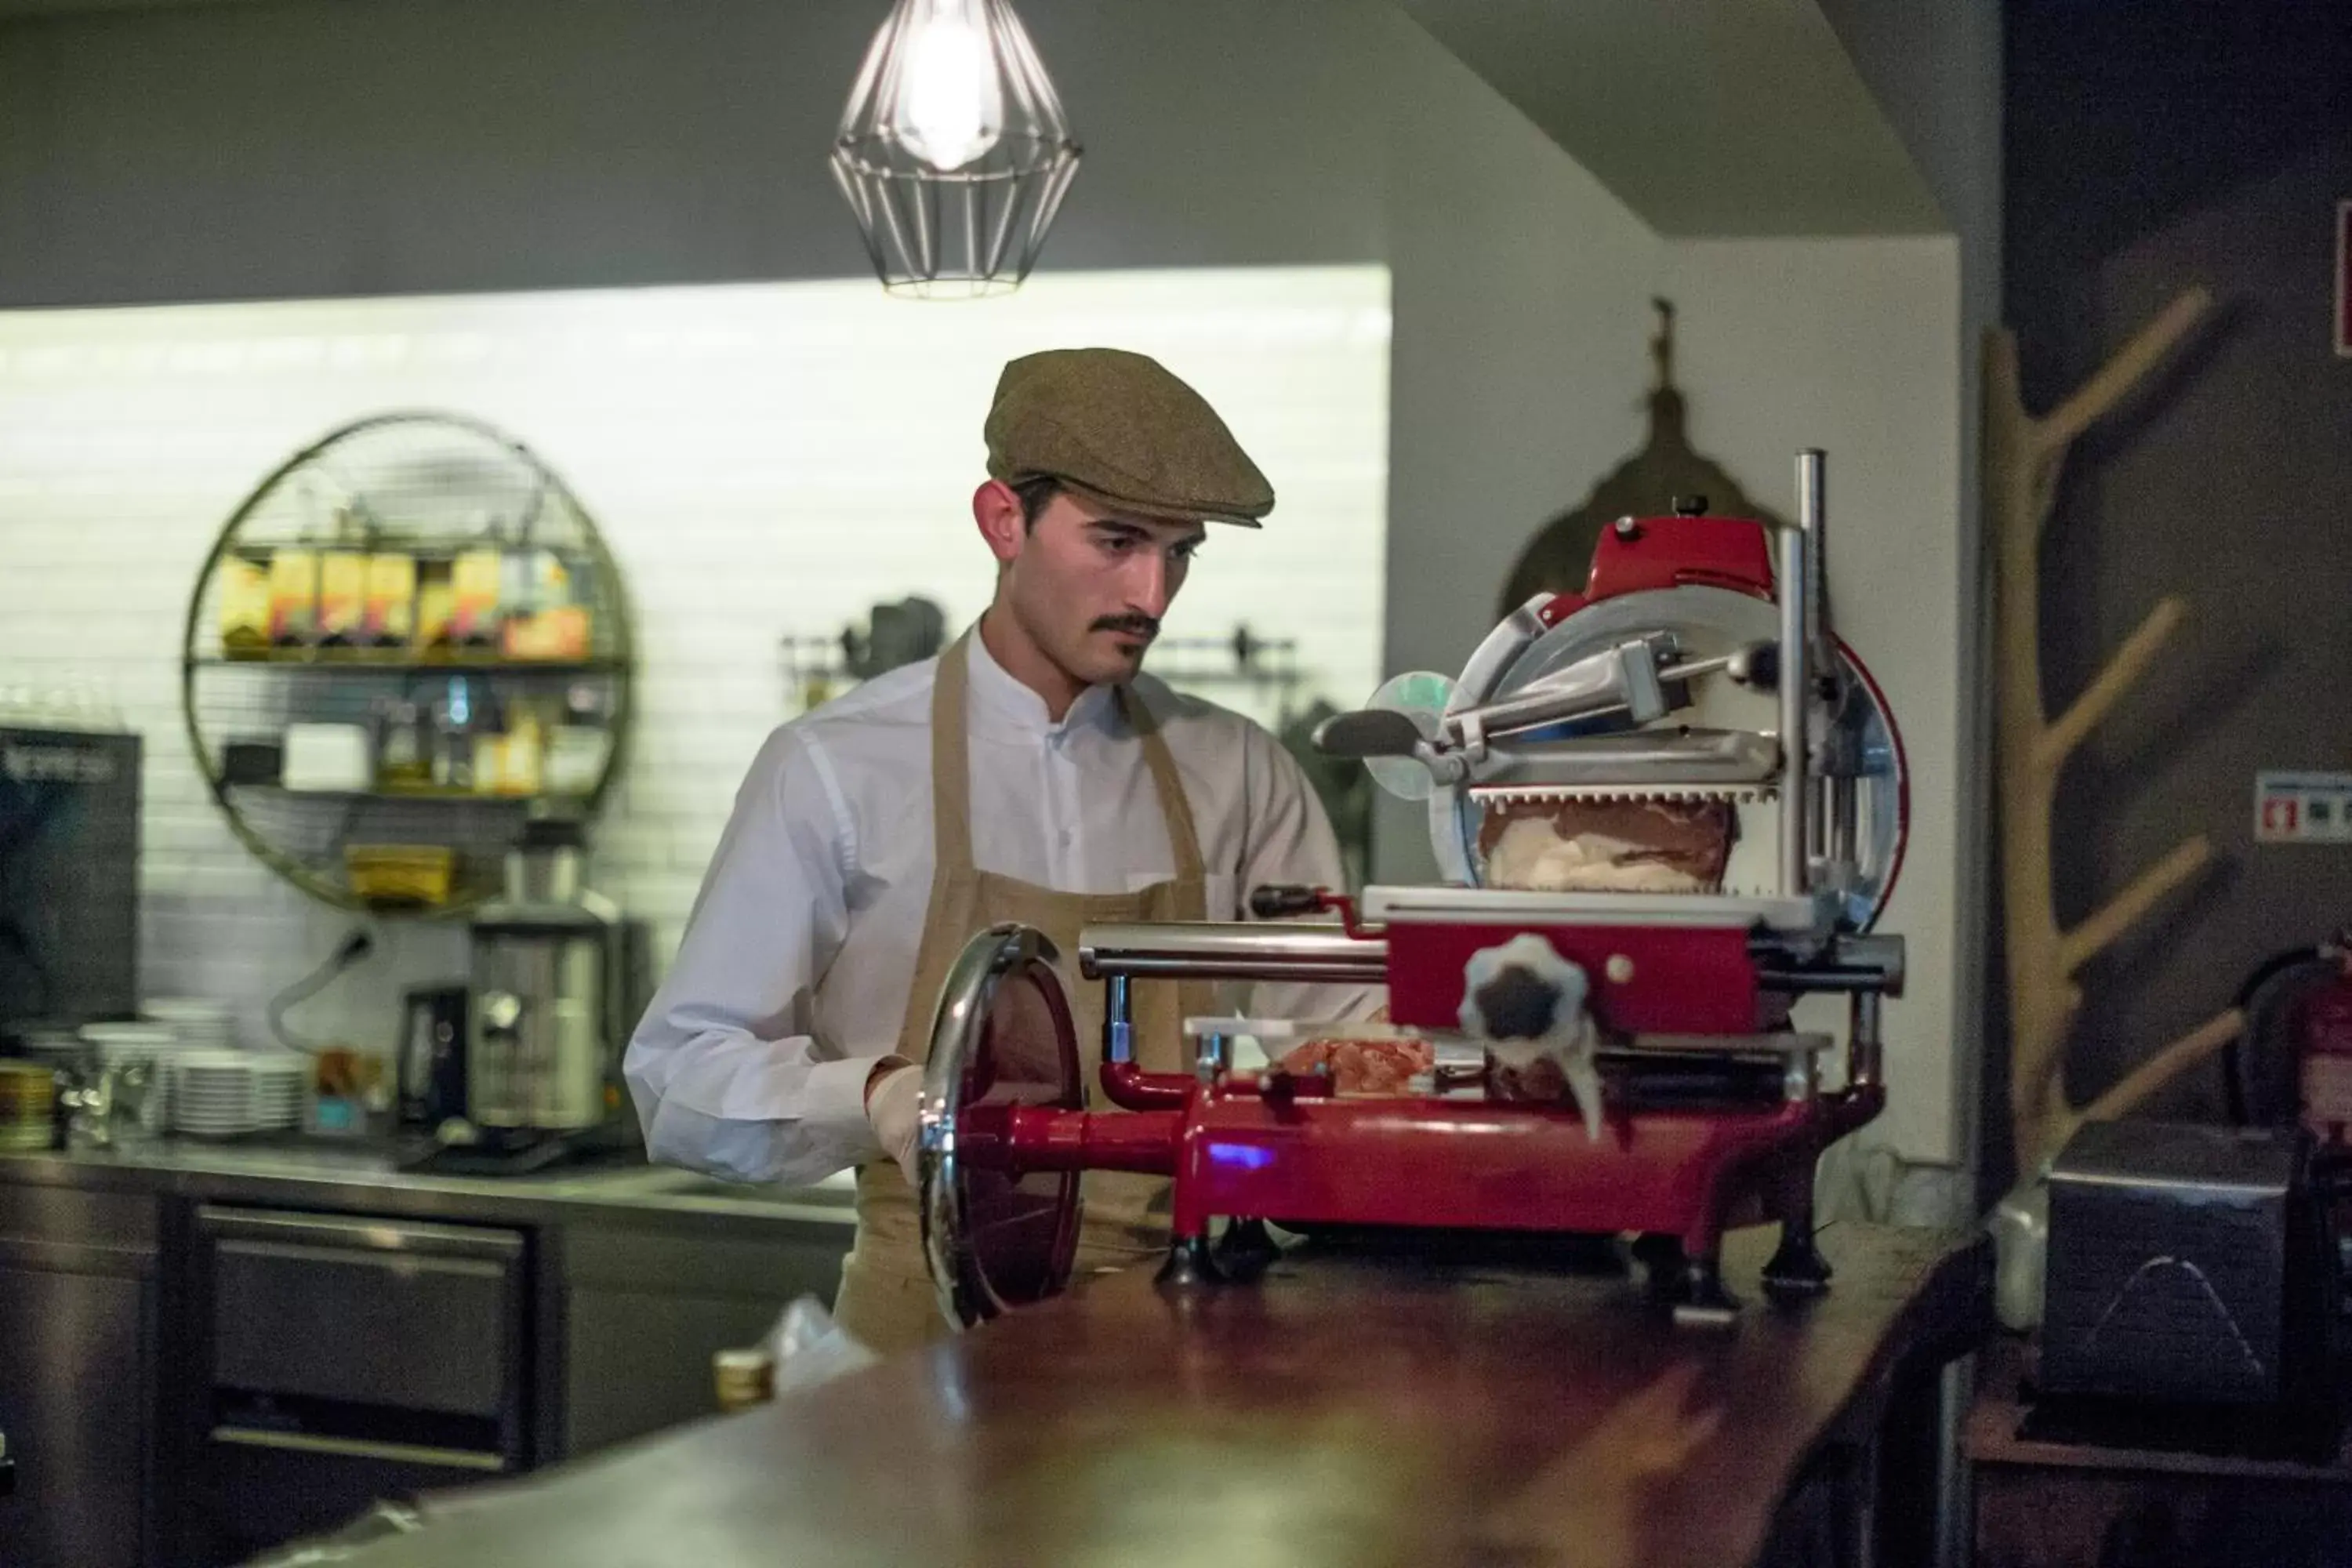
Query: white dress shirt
[{"x": 793, "y": 974}]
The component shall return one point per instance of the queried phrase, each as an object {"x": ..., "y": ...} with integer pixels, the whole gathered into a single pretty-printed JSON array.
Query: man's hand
[{"x": 893, "y": 1106}]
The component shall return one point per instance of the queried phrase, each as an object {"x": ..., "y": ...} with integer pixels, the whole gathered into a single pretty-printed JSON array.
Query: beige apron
[{"x": 886, "y": 1299}]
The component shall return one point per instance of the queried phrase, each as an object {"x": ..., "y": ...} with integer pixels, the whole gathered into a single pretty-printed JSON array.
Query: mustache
[{"x": 1135, "y": 626}]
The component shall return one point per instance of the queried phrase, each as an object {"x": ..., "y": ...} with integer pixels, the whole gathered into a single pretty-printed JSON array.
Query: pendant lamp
[{"x": 954, "y": 151}]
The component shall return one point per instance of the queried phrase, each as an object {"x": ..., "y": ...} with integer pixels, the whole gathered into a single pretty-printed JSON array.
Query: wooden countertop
[{"x": 1346, "y": 1409}]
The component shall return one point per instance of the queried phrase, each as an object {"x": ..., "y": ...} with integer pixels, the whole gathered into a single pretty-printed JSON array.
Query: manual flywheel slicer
[{"x": 1666, "y": 808}]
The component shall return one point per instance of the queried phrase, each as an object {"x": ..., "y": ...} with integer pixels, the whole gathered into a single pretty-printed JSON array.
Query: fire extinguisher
[{"x": 2323, "y": 1039}]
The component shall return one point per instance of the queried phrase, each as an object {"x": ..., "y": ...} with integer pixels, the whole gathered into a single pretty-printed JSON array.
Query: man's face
[{"x": 1089, "y": 587}]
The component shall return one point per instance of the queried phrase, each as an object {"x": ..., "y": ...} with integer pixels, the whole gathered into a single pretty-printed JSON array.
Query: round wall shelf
[{"x": 408, "y": 639}]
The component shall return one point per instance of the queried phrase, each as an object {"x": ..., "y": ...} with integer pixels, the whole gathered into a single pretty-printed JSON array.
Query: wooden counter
[{"x": 1347, "y": 1409}]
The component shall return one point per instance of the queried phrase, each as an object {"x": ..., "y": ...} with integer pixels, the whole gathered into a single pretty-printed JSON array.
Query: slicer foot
[
  {"x": 1188, "y": 1263},
  {"x": 1798, "y": 1270},
  {"x": 1701, "y": 1301},
  {"x": 1246, "y": 1249},
  {"x": 1661, "y": 1256}
]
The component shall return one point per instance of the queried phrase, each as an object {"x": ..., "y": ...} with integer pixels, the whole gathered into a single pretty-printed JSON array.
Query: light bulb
[{"x": 948, "y": 109}]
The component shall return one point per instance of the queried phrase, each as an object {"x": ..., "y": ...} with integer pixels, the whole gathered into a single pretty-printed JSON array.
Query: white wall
[
  {"x": 1853, "y": 346},
  {"x": 1521, "y": 291},
  {"x": 763, "y": 459},
  {"x": 1935, "y": 71}
]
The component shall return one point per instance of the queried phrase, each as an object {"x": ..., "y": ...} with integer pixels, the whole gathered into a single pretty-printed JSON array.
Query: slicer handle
[{"x": 1283, "y": 900}]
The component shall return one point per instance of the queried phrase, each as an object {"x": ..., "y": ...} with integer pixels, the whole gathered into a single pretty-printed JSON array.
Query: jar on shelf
[
  {"x": 456, "y": 726},
  {"x": 403, "y": 746}
]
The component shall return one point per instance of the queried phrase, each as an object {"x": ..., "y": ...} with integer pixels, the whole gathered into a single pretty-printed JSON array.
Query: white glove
[{"x": 893, "y": 1106}]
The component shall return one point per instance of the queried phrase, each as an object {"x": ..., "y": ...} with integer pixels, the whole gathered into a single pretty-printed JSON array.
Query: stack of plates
[
  {"x": 131, "y": 1042},
  {"x": 212, "y": 1093},
  {"x": 199, "y": 1023},
  {"x": 277, "y": 1082}
]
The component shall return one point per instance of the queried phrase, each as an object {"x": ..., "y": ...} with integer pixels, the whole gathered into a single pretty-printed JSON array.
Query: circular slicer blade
[
  {"x": 1422, "y": 696},
  {"x": 996, "y": 1236}
]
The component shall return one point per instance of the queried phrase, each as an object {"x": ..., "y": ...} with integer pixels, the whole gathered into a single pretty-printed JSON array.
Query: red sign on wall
[{"x": 2344, "y": 279}]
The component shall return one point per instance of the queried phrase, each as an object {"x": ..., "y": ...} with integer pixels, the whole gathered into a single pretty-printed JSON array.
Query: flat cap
[{"x": 1120, "y": 430}]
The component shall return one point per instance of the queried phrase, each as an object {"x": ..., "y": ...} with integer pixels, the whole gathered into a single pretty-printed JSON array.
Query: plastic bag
[
  {"x": 810, "y": 1347},
  {"x": 385, "y": 1518}
]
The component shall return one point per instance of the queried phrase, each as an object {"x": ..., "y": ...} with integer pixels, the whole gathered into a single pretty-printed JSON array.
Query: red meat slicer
[{"x": 1643, "y": 877}]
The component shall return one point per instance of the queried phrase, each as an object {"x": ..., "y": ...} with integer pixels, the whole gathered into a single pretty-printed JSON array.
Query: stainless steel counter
[
  {"x": 583, "y": 1307},
  {"x": 322, "y": 1173}
]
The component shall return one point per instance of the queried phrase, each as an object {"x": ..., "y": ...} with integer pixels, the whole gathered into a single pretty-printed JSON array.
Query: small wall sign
[
  {"x": 2303, "y": 808},
  {"x": 2344, "y": 279}
]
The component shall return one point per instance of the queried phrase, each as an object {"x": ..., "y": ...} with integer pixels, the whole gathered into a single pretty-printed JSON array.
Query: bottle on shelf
[
  {"x": 244, "y": 606},
  {"x": 474, "y": 610},
  {"x": 343, "y": 597},
  {"x": 523, "y": 751},
  {"x": 511, "y": 759},
  {"x": 437, "y": 606},
  {"x": 293, "y": 596},
  {"x": 403, "y": 747},
  {"x": 390, "y": 619},
  {"x": 455, "y": 726}
]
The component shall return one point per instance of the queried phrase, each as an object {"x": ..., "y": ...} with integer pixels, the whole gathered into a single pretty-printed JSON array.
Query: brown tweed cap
[{"x": 1120, "y": 430}]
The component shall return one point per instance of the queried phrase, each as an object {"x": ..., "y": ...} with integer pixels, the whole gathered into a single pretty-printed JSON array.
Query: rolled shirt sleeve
[{"x": 727, "y": 1077}]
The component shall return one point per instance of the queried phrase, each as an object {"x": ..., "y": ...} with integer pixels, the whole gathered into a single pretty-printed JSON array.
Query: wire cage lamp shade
[{"x": 953, "y": 151}]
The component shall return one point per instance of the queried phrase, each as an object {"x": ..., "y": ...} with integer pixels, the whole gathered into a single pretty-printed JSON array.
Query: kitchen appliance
[
  {"x": 334, "y": 1359},
  {"x": 555, "y": 978},
  {"x": 432, "y": 1062},
  {"x": 2189, "y": 1263},
  {"x": 69, "y": 878},
  {"x": 1667, "y": 806}
]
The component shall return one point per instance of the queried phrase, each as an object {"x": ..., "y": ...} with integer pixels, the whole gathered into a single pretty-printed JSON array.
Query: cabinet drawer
[
  {"x": 36, "y": 1216},
  {"x": 409, "y": 1315}
]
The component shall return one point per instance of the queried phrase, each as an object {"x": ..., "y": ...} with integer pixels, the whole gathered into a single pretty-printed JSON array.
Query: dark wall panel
[{"x": 2150, "y": 147}]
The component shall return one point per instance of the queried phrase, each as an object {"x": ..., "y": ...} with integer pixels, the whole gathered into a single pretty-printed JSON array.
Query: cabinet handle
[
  {"x": 360, "y": 1448},
  {"x": 353, "y": 1233}
]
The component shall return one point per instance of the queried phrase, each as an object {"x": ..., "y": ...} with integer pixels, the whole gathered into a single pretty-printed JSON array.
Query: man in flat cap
[{"x": 1030, "y": 773}]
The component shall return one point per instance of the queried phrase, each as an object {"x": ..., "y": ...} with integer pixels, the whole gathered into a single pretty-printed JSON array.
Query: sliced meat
[{"x": 1362, "y": 1067}]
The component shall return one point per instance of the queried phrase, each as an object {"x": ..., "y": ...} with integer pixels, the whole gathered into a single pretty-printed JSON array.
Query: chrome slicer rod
[
  {"x": 1627, "y": 679},
  {"x": 1796, "y": 567}
]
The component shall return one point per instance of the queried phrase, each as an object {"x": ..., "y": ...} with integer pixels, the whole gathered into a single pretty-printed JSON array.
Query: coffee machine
[
  {"x": 69, "y": 878},
  {"x": 555, "y": 979}
]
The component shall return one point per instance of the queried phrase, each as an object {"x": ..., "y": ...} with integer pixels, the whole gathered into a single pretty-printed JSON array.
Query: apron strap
[{"x": 950, "y": 767}]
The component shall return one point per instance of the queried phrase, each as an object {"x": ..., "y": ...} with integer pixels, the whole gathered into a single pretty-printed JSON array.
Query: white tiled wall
[{"x": 764, "y": 460}]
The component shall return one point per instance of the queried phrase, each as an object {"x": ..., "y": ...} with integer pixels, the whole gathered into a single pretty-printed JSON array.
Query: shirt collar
[{"x": 1005, "y": 696}]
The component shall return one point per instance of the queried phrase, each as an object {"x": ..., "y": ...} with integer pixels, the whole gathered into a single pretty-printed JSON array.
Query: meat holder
[{"x": 1657, "y": 978}]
